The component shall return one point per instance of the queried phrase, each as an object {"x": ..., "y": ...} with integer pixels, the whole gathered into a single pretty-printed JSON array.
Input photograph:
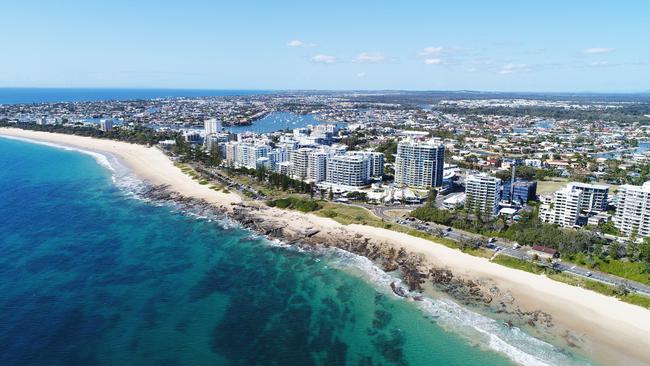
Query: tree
[
  {"x": 598, "y": 250},
  {"x": 632, "y": 250},
  {"x": 331, "y": 194},
  {"x": 614, "y": 249},
  {"x": 622, "y": 289},
  {"x": 644, "y": 250},
  {"x": 431, "y": 197},
  {"x": 469, "y": 243}
]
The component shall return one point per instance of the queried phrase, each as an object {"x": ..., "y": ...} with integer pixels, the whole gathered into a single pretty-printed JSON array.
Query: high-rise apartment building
[
  {"x": 633, "y": 209},
  {"x": 482, "y": 194},
  {"x": 563, "y": 208},
  {"x": 348, "y": 170},
  {"x": 419, "y": 164}
]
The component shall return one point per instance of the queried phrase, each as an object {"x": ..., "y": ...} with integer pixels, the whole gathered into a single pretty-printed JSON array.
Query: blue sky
[{"x": 418, "y": 45}]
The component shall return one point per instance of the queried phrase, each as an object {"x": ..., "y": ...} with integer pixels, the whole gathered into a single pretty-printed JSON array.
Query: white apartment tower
[
  {"x": 249, "y": 154},
  {"x": 300, "y": 162},
  {"x": 211, "y": 127},
  {"x": 567, "y": 204},
  {"x": 594, "y": 196},
  {"x": 419, "y": 164},
  {"x": 633, "y": 209},
  {"x": 348, "y": 171},
  {"x": 482, "y": 194},
  {"x": 564, "y": 208},
  {"x": 317, "y": 168},
  {"x": 376, "y": 162},
  {"x": 106, "y": 125}
]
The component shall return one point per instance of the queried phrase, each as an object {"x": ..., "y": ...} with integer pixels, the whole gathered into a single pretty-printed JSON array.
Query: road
[
  {"x": 499, "y": 245},
  {"x": 503, "y": 247}
]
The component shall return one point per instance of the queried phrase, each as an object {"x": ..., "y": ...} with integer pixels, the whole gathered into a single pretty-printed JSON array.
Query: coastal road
[{"x": 504, "y": 247}]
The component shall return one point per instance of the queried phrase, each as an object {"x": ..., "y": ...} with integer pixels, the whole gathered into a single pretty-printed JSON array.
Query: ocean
[
  {"x": 53, "y": 95},
  {"x": 90, "y": 274}
]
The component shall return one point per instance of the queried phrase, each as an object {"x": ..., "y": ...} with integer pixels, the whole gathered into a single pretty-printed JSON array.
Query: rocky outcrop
[{"x": 414, "y": 270}]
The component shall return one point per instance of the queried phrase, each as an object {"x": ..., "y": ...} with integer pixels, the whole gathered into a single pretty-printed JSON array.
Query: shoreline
[{"x": 613, "y": 329}]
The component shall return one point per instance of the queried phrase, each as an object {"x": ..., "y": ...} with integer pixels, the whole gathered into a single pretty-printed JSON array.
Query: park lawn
[{"x": 348, "y": 214}]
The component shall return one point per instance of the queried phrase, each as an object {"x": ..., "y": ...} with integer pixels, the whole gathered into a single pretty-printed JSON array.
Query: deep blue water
[
  {"x": 51, "y": 95},
  {"x": 91, "y": 275},
  {"x": 278, "y": 121}
]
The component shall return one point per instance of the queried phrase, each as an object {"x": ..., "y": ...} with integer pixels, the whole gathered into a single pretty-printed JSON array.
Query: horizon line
[{"x": 323, "y": 90}]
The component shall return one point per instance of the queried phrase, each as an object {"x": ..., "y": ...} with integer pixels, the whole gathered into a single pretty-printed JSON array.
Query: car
[
  {"x": 589, "y": 274},
  {"x": 448, "y": 229},
  {"x": 492, "y": 240}
]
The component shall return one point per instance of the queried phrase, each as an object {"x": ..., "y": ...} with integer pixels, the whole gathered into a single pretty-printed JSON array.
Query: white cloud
[
  {"x": 361, "y": 75},
  {"x": 597, "y": 50},
  {"x": 432, "y": 61},
  {"x": 430, "y": 51},
  {"x": 472, "y": 69},
  {"x": 512, "y": 68},
  {"x": 324, "y": 59},
  {"x": 299, "y": 43},
  {"x": 599, "y": 63},
  {"x": 295, "y": 43},
  {"x": 370, "y": 58}
]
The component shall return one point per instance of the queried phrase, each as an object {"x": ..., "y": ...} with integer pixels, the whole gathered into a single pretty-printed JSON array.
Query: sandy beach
[{"x": 614, "y": 329}]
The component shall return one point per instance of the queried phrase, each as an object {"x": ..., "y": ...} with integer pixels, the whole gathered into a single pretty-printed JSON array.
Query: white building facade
[
  {"x": 482, "y": 194},
  {"x": 633, "y": 210},
  {"x": 348, "y": 171},
  {"x": 419, "y": 164}
]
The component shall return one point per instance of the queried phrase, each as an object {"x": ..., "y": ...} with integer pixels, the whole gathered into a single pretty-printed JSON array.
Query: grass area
[
  {"x": 252, "y": 182},
  {"x": 479, "y": 252},
  {"x": 632, "y": 298},
  {"x": 519, "y": 264},
  {"x": 295, "y": 203},
  {"x": 189, "y": 171},
  {"x": 347, "y": 214},
  {"x": 397, "y": 213},
  {"x": 634, "y": 271},
  {"x": 549, "y": 186}
]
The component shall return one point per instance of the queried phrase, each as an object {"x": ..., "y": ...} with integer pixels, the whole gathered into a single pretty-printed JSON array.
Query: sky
[{"x": 532, "y": 45}]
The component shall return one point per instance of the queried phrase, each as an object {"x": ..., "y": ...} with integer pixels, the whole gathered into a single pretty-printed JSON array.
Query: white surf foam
[
  {"x": 121, "y": 176},
  {"x": 518, "y": 346}
]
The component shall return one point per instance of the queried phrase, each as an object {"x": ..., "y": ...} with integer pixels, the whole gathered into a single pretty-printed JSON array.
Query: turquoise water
[{"x": 91, "y": 275}]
